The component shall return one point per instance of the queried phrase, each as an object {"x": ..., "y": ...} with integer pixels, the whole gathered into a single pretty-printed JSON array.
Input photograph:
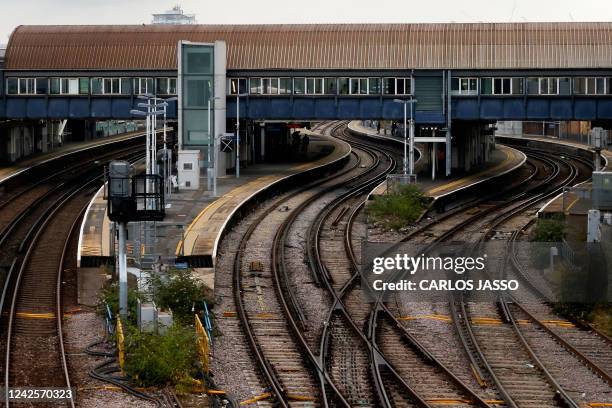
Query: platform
[
  {"x": 64, "y": 150},
  {"x": 504, "y": 159},
  {"x": 195, "y": 220},
  {"x": 574, "y": 204}
]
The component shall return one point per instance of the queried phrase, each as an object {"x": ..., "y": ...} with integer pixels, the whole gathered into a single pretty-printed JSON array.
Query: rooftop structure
[
  {"x": 342, "y": 46},
  {"x": 174, "y": 16}
]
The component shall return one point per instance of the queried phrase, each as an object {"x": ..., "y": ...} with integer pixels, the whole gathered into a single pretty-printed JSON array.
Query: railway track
[
  {"x": 31, "y": 302},
  {"x": 516, "y": 372}
]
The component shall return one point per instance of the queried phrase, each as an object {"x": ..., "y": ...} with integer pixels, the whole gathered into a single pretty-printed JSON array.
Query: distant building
[
  {"x": 174, "y": 16},
  {"x": 2, "y": 52}
]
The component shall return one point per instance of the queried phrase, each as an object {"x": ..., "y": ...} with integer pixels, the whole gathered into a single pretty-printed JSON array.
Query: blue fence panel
[
  {"x": 491, "y": 108},
  {"x": 348, "y": 108},
  {"x": 465, "y": 108},
  {"x": 538, "y": 108},
  {"x": 16, "y": 108},
  {"x": 585, "y": 109},
  {"x": 604, "y": 109},
  {"x": 304, "y": 108},
  {"x": 280, "y": 107},
  {"x": 101, "y": 108},
  {"x": 561, "y": 109},
  {"x": 514, "y": 108},
  {"x": 79, "y": 108},
  {"x": 36, "y": 108},
  {"x": 325, "y": 108}
]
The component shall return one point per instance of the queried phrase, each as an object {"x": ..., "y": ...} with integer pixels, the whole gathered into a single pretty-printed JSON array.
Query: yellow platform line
[
  {"x": 190, "y": 227},
  {"x": 599, "y": 404},
  {"x": 464, "y": 179}
]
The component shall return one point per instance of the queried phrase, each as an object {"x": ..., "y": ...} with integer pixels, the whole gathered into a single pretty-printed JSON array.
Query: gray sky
[{"x": 16, "y": 12}]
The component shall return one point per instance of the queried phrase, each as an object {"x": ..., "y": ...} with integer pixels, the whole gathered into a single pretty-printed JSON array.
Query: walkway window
[
  {"x": 270, "y": 86},
  {"x": 143, "y": 86},
  {"x": 236, "y": 86},
  {"x": 343, "y": 86},
  {"x": 591, "y": 85},
  {"x": 363, "y": 86},
  {"x": 27, "y": 86},
  {"x": 374, "y": 86},
  {"x": 330, "y": 86},
  {"x": 96, "y": 86},
  {"x": 255, "y": 86},
  {"x": 501, "y": 86},
  {"x": 285, "y": 86},
  {"x": 125, "y": 86},
  {"x": 83, "y": 86},
  {"x": 12, "y": 86},
  {"x": 165, "y": 86},
  {"x": 68, "y": 86},
  {"x": 299, "y": 86},
  {"x": 41, "y": 86},
  {"x": 354, "y": 89},
  {"x": 111, "y": 86},
  {"x": 314, "y": 86},
  {"x": 464, "y": 86},
  {"x": 389, "y": 86}
]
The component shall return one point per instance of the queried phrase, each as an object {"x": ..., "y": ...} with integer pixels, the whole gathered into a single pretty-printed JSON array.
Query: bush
[
  {"x": 549, "y": 230},
  {"x": 396, "y": 210},
  {"x": 160, "y": 359},
  {"x": 110, "y": 296},
  {"x": 178, "y": 290}
]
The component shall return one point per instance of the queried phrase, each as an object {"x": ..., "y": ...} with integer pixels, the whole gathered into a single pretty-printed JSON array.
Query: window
[
  {"x": 126, "y": 86},
  {"x": 187, "y": 166},
  {"x": 518, "y": 86},
  {"x": 363, "y": 86},
  {"x": 591, "y": 85},
  {"x": 374, "y": 86},
  {"x": 111, "y": 86},
  {"x": 83, "y": 86},
  {"x": 27, "y": 86},
  {"x": 285, "y": 86},
  {"x": 255, "y": 86},
  {"x": 354, "y": 89},
  {"x": 486, "y": 86},
  {"x": 55, "y": 86},
  {"x": 96, "y": 86},
  {"x": 502, "y": 86},
  {"x": 236, "y": 86},
  {"x": 270, "y": 86},
  {"x": 172, "y": 86},
  {"x": 389, "y": 86},
  {"x": 330, "y": 86},
  {"x": 162, "y": 86},
  {"x": 143, "y": 86},
  {"x": 464, "y": 86},
  {"x": 12, "y": 86},
  {"x": 41, "y": 86},
  {"x": 314, "y": 86},
  {"x": 564, "y": 86},
  {"x": 299, "y": 85},
  {"x": 343, "y": 86}
]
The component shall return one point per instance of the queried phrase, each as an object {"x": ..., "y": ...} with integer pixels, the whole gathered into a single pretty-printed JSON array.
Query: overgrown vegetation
[
  {"x": 160, "y": 359},
  {"x": 168, "y": 357},
  {"x": 398, "y": 209},
  {"x": 598, "y": 314},
  {"x": 180, "y": 292},
  {"x": 549, "y": 230}
]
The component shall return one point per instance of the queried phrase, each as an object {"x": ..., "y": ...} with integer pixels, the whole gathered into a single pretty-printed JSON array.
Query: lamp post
[
  {"x": 212, "y": 176},
  {"x": 408, "y": 169},
  {"x": 167, "y": 162}
]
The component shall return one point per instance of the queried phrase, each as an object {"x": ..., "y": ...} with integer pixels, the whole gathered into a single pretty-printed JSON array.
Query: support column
[
  {"x": 123, "y": 281},
  {"x": 263, "y": 140},
  {"x": 220, "y": 120}
]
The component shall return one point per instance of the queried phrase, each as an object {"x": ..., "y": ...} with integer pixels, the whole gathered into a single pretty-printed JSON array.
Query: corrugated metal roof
[{"x": 345, "y": 46}]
